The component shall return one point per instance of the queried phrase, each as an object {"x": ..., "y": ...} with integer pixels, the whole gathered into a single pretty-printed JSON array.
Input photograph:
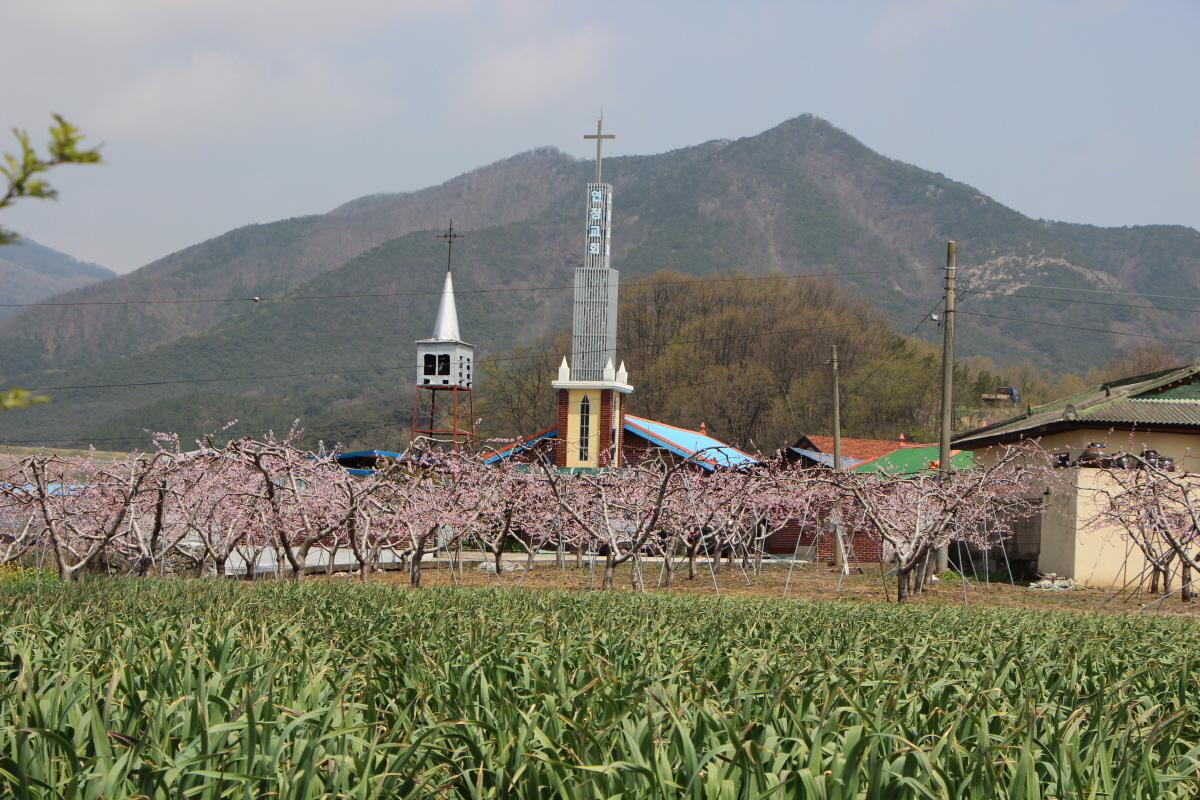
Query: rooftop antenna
[{"x": 449, "y": 236}]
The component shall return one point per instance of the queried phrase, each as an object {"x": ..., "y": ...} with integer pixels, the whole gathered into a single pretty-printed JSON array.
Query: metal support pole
[
  {"x": 947, "y": 366},
  {"x": 837, "y": 415},
  {"x": 944, "y": 465}
]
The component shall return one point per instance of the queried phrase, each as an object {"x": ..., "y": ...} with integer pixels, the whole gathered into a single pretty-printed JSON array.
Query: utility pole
[
  {"x": 947, "y": 365},
  {"x": 840, "y": 556},
  {"x": 944, "y": 465},
  {"x": 837, "y": 415}
]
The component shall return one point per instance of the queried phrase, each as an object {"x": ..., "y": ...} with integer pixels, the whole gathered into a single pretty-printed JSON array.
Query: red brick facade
[
  {"x": 606, "y": 408},
  {"x": 862, "y": 545},
  {"x": 560, "y": 447}
]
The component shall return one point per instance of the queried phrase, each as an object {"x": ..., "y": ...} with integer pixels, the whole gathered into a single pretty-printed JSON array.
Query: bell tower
[
  {"x": 590, "y": 390},
  {"x": 443, "y": 403}
]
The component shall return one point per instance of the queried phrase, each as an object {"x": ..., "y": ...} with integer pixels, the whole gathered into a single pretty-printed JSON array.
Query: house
[
  {"x": 858, "y": 455},
  {"x": 1155, "y": 412}
]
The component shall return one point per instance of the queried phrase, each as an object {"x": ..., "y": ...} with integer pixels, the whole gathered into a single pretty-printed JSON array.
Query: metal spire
[{"x": 446, "y": 327}]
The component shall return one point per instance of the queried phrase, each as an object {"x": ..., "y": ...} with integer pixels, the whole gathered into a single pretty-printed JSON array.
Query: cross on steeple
[
  {"x": 599, "y": 136},
  {"x": 449, "y": 236}
]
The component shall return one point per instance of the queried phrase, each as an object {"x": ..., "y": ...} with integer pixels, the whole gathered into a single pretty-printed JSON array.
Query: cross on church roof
[
  {"x": 599, "y": 136},
  {"x": 449, "y": 236}
]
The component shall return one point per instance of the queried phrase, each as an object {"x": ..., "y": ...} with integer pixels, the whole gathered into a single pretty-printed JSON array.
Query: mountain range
[
  {"x": 30, "y": 272},
  {"x": 197, "y": 351}
]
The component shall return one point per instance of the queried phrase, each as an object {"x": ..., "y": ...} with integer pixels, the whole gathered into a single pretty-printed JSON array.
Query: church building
[{"x": 594, "y": 431}]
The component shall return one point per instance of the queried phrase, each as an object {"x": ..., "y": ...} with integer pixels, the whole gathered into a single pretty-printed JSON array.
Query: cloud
[
  {"x": 214, "y": 90},
  {"x": 534, "y": 74}
]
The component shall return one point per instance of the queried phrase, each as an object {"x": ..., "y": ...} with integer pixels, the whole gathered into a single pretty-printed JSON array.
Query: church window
[
  {"x": 430, "y": 364},
  {"x": 443, "y": 364},
  {"x": 585, "y": 427}
]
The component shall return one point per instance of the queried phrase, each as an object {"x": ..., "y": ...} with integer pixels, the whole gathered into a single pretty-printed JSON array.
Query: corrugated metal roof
[
  {"x": 826, "y": 459},
  {"x": 1130, "y": 401},
  {"x": 520, "y": 445},
  {"x": 862, "y": 449},
  {"x": 915, "y": 459},
  {"x": 1170, "y": 412},
  {"x": 685, "y": 443}
]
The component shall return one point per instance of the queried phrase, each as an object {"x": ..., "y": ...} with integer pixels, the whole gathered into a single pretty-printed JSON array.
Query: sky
[{"x": 215, "y": 114}]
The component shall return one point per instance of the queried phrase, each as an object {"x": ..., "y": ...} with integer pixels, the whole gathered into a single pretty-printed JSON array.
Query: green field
[{"x": 178, "y": 688}]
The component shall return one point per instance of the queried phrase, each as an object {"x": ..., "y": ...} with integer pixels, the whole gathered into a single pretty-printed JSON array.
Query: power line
[
  {"x": 1078, "y": 289},
  {"x": 895, "y": 350},
  {"x": 457, "y": 292},
  {"x": 1079, "y": 328},
  {"x": 1081, "y": 302},
  {"x": 416, "y": 366}
]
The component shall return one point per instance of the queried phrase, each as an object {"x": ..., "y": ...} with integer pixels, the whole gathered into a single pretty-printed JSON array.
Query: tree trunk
[
  {"x": 668, "y": 570},
  {"x": 635, "y": 573},
  {"x": 1154, "y": 570},
  {"x": 579, "y": 556},
  {"x": 610, "y": 567},
  {"x": 901, "y": 586},
  {"x": 1185, "y": 578},
  {"x": 528, "y": 565},
  {"x": 693, "y": 549},
  {"x": 414, "y": 567}
]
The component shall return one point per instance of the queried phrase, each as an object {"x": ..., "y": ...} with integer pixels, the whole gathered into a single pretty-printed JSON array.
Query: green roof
[
  {"x": 1164, "y": 400},
  {"x": 913, "y": 459}
]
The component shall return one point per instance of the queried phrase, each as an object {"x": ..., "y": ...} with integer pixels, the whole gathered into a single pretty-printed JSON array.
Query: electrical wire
[
  {"x": 1077, "y": 289},
  {"x": 416, "y": 366},
  {"x": 457, "y": 291},
  {"x": 896, "y": 349},
  {"x": 1079, "y": 328},
  {"x": 1081, "y": 302},
  {"x": 348, "y": 425}
]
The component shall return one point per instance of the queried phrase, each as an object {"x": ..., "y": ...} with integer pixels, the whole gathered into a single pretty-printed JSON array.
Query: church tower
[
  {"x": 443, "y": 404},
  {"x": 591, "y": 391}
]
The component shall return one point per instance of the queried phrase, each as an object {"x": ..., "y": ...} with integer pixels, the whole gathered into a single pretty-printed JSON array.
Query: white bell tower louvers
[{"x": 443, "y": 404}]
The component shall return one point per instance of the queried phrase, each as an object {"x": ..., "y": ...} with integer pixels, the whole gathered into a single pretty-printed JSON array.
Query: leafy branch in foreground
[
  {"x": 17, "y": 397},
  {"x": 22, "y": 171}
]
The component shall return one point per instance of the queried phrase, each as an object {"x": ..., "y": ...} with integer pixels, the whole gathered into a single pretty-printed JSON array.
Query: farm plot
[{"x": 179, "y": 688}]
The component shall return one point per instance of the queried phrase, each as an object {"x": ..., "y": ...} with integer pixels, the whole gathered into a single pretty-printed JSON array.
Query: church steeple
[
  {"x": 443, "y": 408},
  {"x": 591, "y": 389},
  {"x": 446, "y": 327}
]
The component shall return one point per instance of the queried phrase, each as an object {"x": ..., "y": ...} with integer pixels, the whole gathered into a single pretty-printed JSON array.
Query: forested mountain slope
[
  {"x": 30, "y": 272},
  {"x": 803, "y": 197}
]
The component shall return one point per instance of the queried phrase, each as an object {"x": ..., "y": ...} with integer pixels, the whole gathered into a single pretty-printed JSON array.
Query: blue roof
[
  {"x": 520, "y": 445},
  {"x": 362, "y": 462},
  {"x": 686, "y": 444},
  {"x": 364, "y": 453},
  {"x": 826, "y": 459}
]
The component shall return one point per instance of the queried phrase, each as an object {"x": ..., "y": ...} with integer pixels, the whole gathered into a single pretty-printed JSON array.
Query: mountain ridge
[
  {"x": 32, "y": 272},
  {"x": 802, "y": 198}
]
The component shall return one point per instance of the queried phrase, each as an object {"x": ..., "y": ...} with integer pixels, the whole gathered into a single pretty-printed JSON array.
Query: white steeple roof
[{"x": 446, "y": 327}]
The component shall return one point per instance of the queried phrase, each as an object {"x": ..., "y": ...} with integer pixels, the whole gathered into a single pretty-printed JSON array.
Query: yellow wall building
[{"x": 1157, "y": 413}]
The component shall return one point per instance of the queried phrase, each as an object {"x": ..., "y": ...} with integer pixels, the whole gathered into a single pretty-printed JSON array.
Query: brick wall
[
  {"x": 560, "y": 448},
  {"x": 865, "y": 544},
  {"x": 604, "y": 457}
]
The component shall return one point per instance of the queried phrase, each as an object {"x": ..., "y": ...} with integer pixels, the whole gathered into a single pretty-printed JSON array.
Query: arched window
[{"x": 585, "y": 427}]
